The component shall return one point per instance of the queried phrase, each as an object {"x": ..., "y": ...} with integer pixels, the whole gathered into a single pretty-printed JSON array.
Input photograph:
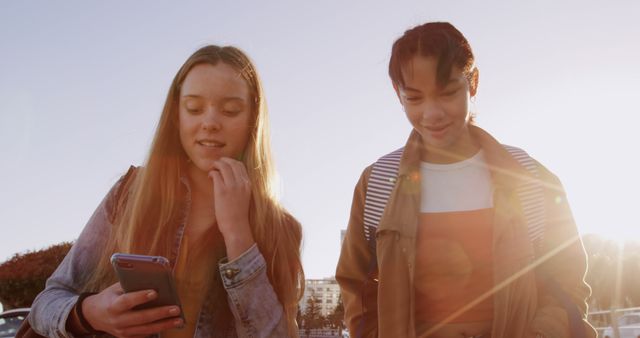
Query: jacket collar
[{"x": 506, "y": 171}]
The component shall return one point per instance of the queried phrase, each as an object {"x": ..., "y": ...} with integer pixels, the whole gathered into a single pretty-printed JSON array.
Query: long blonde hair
[{"x": 145, "y": 221}]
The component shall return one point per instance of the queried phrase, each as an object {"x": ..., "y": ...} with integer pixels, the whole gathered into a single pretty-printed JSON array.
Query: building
[{"x": 326, "y": 291}]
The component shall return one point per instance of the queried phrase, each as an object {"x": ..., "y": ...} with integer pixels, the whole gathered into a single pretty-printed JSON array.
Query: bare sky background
[{"x": 82, "y": 85}]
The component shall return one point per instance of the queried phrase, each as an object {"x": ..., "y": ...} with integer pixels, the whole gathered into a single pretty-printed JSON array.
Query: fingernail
[
  {"x": 174, "y": 311},
  {"x": 151, "y": 294},
  {"x": 177, "y": 322}
]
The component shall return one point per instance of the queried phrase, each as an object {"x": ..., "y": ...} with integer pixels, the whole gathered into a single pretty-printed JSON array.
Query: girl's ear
[{"x": 473, "y": 81}]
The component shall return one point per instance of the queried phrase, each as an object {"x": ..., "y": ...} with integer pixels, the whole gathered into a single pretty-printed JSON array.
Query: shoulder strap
[
  {"x": 531, "y": 197},
  {"x": 384, "y": 174}
]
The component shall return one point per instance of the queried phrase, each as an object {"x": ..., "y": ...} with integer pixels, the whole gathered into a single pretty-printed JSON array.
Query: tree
[
  {"x": 613, "y": 274},
  {"x": 23, "y": 276},
  {"x": 312, "y": 317},
  {"x": 336, "y": 318}
]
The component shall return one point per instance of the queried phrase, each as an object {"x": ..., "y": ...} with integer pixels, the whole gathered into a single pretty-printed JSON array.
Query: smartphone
[{"x": 141, "y": 272}]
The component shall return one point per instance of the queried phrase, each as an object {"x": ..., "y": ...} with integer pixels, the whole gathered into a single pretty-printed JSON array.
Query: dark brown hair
[{"x": 433, "y": 39}]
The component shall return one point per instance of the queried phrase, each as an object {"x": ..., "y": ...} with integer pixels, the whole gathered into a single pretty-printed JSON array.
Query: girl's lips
[
  {"x": 438, "y": 131},
  {"x": 211, "y": 144},
  {"x": 437, "y": 128}
]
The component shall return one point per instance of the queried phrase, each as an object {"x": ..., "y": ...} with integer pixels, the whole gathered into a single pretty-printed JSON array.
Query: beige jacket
[{"x": 521, "y": 303}]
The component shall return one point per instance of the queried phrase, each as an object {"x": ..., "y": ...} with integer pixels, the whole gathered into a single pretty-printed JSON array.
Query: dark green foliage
[
  {"x": 336, "y": 318},
  {"x": 312, "y": 317}
]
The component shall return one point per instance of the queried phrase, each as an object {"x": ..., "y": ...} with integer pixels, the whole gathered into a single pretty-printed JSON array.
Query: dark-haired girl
[{"x": 475, "y": 239}]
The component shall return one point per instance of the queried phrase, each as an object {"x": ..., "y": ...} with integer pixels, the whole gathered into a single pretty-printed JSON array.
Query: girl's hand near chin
[{"x": 232, "y": 197}]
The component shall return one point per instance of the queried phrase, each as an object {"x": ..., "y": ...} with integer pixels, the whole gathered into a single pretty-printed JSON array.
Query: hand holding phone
[
  {"x": 141, "y": 272},
  {"x": 111, "y": 311}
]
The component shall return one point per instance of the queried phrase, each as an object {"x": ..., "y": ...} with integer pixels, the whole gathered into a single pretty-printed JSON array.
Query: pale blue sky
[{"x": 82, "y": 84}]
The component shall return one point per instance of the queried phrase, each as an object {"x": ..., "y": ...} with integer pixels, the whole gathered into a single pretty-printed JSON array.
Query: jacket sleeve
[
  {"x": 359, "y": 292},
  {"x": 252, "y": 299},
  {"x": 564, "y": 264},
  {"x": 51, "y": 308}
]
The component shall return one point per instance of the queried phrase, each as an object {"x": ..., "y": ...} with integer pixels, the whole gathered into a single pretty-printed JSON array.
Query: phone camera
[{"x": 125, "y": 265}]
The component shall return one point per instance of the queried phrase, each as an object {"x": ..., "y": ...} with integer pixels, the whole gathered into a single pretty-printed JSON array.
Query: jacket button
[{"x": 230, "y": 273}]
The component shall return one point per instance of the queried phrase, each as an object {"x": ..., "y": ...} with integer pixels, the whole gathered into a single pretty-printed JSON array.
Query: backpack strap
[
  {"x": 531, "y": 196},
  {"x": 384, "y": 174},
  {"x": 383, "y": 177}
]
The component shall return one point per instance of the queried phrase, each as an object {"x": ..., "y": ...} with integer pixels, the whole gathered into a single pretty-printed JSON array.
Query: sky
[{"x": 82, "y": 84}]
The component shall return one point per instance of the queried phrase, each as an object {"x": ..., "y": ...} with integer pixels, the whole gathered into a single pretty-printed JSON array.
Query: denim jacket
[{"x": 251, "y": 297}]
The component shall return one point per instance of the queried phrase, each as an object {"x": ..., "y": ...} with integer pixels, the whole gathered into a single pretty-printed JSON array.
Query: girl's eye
[
  {"x": 232, "y": 109},
  {"x": 413, "y": 98},
  {"x": 450, "y": 92},
  {"x": 193, "y": 110},
  {"x": 231, "y": 112}
]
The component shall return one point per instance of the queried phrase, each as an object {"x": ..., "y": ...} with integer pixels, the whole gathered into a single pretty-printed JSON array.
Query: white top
[{"x": 459, "y": 186}]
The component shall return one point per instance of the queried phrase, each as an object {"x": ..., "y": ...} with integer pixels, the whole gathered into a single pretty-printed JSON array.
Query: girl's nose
[
  {"x": 431, "y": 112},
  {"x": 211, "y": 119}
]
